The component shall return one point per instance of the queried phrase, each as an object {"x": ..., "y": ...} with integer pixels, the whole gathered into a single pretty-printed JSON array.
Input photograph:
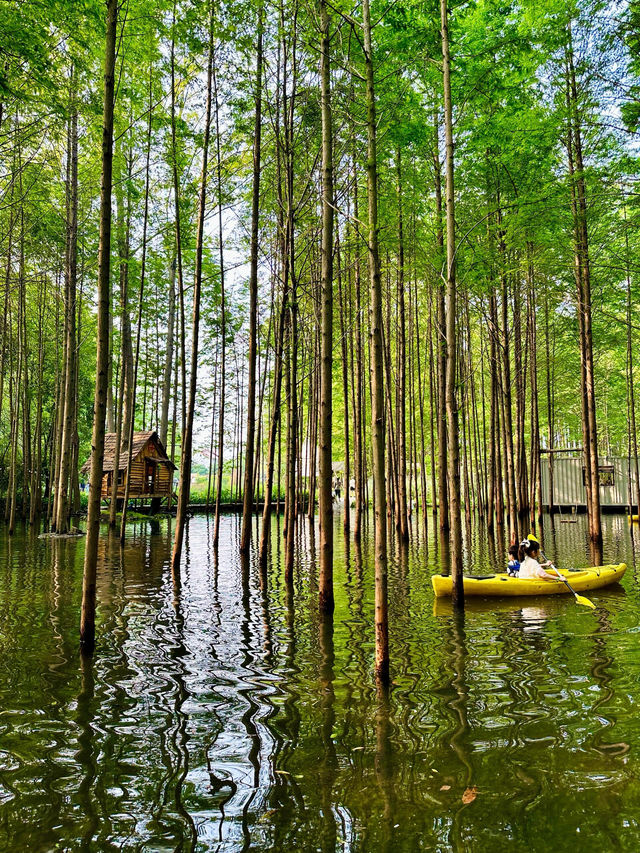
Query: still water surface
[{"x": 223, "y": 716}]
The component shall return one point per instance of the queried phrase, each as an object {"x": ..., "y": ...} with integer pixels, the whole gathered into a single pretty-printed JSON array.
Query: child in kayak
[
  {"x": 529, "y": 565},
  {"x": 513, "y": 566}
]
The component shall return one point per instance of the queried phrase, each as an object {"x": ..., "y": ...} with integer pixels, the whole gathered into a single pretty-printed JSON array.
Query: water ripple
[{"x": 224, "y": 714}]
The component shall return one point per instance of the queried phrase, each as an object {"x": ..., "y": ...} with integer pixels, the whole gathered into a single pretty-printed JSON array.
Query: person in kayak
[
  {"x": 513, "y": 566},
  {"x": 529, "y": 565}
]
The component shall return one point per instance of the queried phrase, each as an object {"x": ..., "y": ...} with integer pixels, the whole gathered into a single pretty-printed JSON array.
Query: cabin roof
[{"x": 140, "y": 441}]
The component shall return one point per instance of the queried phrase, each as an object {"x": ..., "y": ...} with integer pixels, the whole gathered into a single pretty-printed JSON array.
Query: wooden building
[{"x": 151, "y": 468}]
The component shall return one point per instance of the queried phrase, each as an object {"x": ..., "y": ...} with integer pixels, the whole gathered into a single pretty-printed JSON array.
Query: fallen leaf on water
[
  {"x": 267, "y": 815},
  {"x": 469, "y": 795},
  {"x": 445, "y": 787}
]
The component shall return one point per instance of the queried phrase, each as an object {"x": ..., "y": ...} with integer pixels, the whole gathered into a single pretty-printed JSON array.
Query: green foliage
[{"x": 513, "y": 200}]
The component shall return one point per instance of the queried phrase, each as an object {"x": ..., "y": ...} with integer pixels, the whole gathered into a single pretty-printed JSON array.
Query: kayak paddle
[{"x": 580, "y": 599}]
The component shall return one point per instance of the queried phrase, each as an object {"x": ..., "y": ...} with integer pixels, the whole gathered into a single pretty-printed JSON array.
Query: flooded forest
[{"x": 318, "y": 445}]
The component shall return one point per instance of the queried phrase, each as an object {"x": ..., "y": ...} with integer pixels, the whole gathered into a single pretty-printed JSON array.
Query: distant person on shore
[{"x": 529, "y": 565}]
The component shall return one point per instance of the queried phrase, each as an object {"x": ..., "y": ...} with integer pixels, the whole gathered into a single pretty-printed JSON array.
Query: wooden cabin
[{"x": 151, "y": 468}]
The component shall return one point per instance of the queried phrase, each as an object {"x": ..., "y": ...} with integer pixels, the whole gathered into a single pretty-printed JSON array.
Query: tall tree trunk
[
  {"x": 20, "y": 394},
  {"x": 273, "y": 430},
  {"x": 124, "y": 240},
  {"x": 292, "y": 426},
  {"x": 325, "y": 497},
  {"x": 168, "y": 359},
  {"x": 247, "y": 507},
  {"x": 402, "y": 384},
  {"x": 26, "y": 405},
  {"x": 505, "y": 397},
  {"x": 377, "y": 369},
  {"x": 75, "y": 443},
  {"x": 550, "y": 406},
  {"x": 69, "y": 405},
  {"x": 187, "y": 442},
  {"x": 345, "y": 394},
  {"x": 118, "y": 444},
  {"x": 36, "y": 468},
  {"x": 136, "y": 359},
  {"x": 111, "y": 407},
  {"x": 223, "y": 315},
  {"x": 293, "y": 443},
  {"x": 214, "y": 409},
  {"x": 359, "y": 402},
  {"x": 6, "y": 328},
  {"x": 125, "y": 389},
  {"x": 87, "y": 622},
  {"x": 632, "y": 398},
  {"x": 520, "y": 365},
  {"x": 535, "y": 501},
  {"x": 441, "y": 349},
  {"x": 433, "y": 412},
  {"x": 496, "y": 419},
  {"x": 178, "y": 228},
  {"x": 312, "y": 429},
  {"x": 583, "y": 279},
  {"x": 453, "y": 453},
  {"x": 56, "y": 444}
]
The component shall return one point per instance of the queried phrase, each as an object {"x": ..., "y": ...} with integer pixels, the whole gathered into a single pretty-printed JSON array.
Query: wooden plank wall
[{"x": 163, "y": 481}]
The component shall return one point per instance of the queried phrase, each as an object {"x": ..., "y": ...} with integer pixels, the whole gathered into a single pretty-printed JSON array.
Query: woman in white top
[{"x": 529, "y": 565}]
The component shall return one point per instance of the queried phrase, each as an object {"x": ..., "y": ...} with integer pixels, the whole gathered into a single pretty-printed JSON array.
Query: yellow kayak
[
  {"x": 580, "y": 579},
  {"x": 632, "y": 518}
]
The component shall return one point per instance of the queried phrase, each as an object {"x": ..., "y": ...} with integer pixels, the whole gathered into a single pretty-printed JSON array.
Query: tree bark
[
  {"x": 402, "y": 384},
  {"x": 69, "y": 406},
  {"x": 346, "y": 512},
  {"x": 441, "y": 349},
  {"x": 632, "y": 398},
  {"x": 359, "y": 400},
  {"x": 535, "y": 500},
  {"x": 377, "y": 369},
  {"x": 87, "y": 622},
  {"x": 187, "y": 442},
  {"x": 136, "y": 360},
  {"x": 168, "y": 360},
  {"x": 178, "y": 229},
  {"x": 583, "y": 280},
  {"x": 325, "y": 497},
  {"x": 247, "y": 507},
  {"x": 223, "y": 315},
  {"x": 453, "y": 453}
]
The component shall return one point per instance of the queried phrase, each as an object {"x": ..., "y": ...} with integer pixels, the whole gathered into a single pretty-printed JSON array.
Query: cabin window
[
  {"x": 121, "y": 474},
  {"x": 606, "y": 475}
]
